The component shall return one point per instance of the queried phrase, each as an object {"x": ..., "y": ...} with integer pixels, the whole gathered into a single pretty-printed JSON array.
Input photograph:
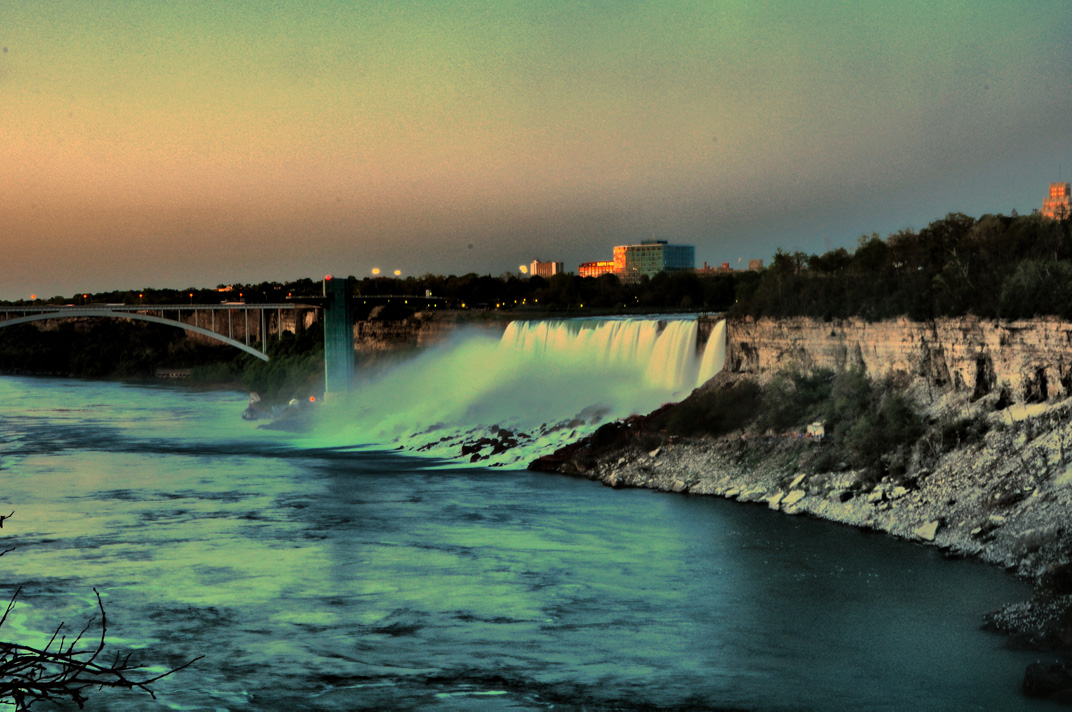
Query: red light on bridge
[{"x": 312, "y": 399}]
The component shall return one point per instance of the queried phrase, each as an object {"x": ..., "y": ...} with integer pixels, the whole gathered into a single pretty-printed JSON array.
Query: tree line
[{"x": 995, "y": 266}]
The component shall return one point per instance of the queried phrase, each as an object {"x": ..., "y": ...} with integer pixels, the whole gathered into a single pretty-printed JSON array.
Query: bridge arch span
[{"x": 73, "y": 312}]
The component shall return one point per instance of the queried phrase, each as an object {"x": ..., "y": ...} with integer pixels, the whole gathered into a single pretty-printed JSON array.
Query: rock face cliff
[
  {"x": 1024, "y": 361},
  {"x": 374, "y": 337}
]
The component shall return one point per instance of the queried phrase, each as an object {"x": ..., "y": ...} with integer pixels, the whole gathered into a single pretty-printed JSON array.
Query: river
[{"x": 354, "y": 578}]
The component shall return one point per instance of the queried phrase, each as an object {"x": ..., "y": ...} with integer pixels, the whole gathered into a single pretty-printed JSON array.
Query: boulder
[
  {"x": 927, "y": 530},
  {"x": 775, "y": 502},
  {"x": 1049, "y": 680}
]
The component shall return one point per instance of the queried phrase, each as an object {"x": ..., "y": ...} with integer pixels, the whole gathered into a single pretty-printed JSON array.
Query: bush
[{"x": 716, "y": 412}]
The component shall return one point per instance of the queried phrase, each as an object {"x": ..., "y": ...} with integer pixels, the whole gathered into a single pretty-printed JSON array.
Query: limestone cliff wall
[
  {"x": 1029, "y": 361},
  {"x": 418, "y": 331}
]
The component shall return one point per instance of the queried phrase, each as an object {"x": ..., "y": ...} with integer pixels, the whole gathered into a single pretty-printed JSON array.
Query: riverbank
[{"x": 1003, "y": 495}]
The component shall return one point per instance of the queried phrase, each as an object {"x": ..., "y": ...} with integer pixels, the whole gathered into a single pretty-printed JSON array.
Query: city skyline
[{"x": 176, "y": 145}]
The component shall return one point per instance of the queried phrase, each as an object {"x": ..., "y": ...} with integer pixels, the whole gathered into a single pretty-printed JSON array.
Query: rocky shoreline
[{"x": 1004, "y": 498}]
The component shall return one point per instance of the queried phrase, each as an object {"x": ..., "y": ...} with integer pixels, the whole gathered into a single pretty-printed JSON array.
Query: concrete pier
[{"x": 338, "y": 338}]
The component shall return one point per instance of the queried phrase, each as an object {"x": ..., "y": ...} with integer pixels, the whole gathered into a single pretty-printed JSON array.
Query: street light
[
  {"x": 375, "y": 271},
  {"x": 398, "y": 272}
]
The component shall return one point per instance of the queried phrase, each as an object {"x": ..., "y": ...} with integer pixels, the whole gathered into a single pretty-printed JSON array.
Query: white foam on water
[{"x": 546, "y": 383}]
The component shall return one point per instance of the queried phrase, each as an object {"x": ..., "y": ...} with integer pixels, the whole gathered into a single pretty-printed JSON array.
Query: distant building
[
  {"x": 707, "y": 270},
  {"x": 1059, "y": 205},
  {"x": 596, "y": 269},
  {"x": 755, "y": 265},
  {"x": 545, "y": 269},
  {"x": 651, "y": 257}
]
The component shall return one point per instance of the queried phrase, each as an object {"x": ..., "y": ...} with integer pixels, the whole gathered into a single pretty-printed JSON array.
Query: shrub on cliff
[
  {"x": 296, "y": 368},
  {"x": 793, "y": 399},
  {"x": 715, "y": 412}
]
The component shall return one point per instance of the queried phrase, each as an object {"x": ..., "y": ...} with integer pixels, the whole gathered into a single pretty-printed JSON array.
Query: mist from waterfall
[{"x": 542, "y": 384}]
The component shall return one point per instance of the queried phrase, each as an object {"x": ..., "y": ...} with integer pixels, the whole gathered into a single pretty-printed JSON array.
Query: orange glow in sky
[{"x": 200, "y": 143}]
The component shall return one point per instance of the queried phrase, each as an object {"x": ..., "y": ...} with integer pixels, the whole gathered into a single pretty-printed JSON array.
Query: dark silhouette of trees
[{"x": 995, "y": 267}]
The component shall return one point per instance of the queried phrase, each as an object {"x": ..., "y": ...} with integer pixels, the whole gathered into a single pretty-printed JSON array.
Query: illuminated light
[
  {"x": 398, "y": 272},
  {"x": 375, "y": 270},
  {"x": 327, "y": 277},
  {"x": 523, "y": 269},
  {"x": 33, "y": 296},
  {"x": 312, "y": 399}
]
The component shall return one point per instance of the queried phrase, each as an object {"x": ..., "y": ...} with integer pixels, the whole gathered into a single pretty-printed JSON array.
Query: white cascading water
[
  {"x": 714, "y": 357},
  {"x": 544, "y": 383}
]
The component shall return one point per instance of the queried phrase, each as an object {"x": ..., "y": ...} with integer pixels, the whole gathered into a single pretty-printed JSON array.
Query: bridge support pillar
[{"x": 338, "y": 338}]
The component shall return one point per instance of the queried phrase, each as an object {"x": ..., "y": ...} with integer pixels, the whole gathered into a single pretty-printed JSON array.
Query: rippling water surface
[{"x": 327, "y": 579}]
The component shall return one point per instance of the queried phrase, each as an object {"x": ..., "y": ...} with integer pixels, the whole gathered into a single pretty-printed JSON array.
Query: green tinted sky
[{"x": 194, "y": 143}]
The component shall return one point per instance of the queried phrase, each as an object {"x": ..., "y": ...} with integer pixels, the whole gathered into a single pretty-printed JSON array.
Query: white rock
[
  {"x": 655, "y": 452},
  {"x": 775, "y": 501},
  {"x": 927, "y": 530},
  {"x": 797, "y": 481},
  {"x": 733, "y": 492},
  {"x": 997, "y": 520},
  {"x": 793, "y": 497},
  {"x": 875, "y": 496},
  {"x": 898, "y": 492}
]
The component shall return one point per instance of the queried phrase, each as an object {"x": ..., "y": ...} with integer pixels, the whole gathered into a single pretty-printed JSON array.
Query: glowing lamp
[
  {"x": 375, "y": 270},
  {"x": 398, "y": 272}
]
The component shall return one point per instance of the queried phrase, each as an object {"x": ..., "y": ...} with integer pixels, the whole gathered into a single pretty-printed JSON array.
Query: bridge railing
[{"x": 227, "y": 319}]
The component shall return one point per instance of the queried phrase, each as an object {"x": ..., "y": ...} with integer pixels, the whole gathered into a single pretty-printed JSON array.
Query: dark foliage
[
  {"x": 996, "y": 266},
  {"x": 717, "y": 412},
  {"x": 295, "y": 368}
]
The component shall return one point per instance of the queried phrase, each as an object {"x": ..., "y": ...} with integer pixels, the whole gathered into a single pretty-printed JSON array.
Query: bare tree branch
[{"x": 65, "y": 671}]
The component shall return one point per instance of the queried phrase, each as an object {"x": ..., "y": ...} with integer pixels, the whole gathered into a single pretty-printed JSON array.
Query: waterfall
[
  {"x": 714, "y": 357},
  {"x": 541, "y": 385}
]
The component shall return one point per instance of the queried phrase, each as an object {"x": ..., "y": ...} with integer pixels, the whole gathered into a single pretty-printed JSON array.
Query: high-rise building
[
  {"x": 545, "y": 269},
  {"x": 651, "y": 257},
  {"x": 1059, "y": 205}
]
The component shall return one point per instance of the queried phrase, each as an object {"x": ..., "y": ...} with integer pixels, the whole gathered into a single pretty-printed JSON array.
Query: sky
[{"x": 196, "y": 143}]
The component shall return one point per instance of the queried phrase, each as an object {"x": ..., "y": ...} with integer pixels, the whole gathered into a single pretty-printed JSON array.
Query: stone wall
[{"x": 1030, "y": 361}]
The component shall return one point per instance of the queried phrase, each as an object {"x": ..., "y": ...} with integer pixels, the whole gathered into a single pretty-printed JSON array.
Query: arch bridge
[{"x": 229, "y": 323}]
